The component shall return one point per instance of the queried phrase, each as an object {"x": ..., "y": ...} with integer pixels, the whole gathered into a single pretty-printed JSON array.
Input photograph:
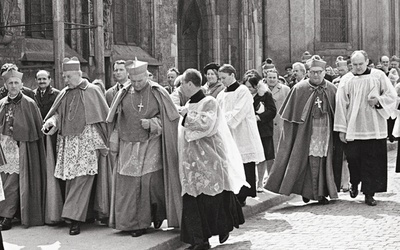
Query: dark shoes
[
  {"x": 75, "y": 228},
  {"x": 369, "y": 200},
  {"x": 5, "y": 224},
  {"x": 353, "y": 191},
  {"x": 157, "y": 224},
  {"x": 202, "y": 246},
  {"x": 223, "y": 237},
  {"x": 306, "y": 200},
  {"x": 138, "y": 233},
  {"x": 323, "y": 201}
]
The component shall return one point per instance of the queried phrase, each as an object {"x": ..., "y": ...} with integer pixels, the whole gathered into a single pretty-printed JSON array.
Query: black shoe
[
  {"x": 5, "y": 224},
  {"x": 138, "y": 233},
  {"x": 369, "y": 200},
  {"x": 157, "y": 224},
  {"x": 323, "y": 201},
  {"x": 306, "y": 200},
  {"x": 75, "y": 228},
  {"x": 353, "y": 191},
  {"x": 223, "y": 237}
]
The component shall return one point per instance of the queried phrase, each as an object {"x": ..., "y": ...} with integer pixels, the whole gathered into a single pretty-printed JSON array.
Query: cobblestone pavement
[{"x": 345, "y": 223}]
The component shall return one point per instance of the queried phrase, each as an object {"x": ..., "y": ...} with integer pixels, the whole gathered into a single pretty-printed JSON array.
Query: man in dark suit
[
  {"x": 122, "y": 79},
  {"x": 45, "y": 94}
]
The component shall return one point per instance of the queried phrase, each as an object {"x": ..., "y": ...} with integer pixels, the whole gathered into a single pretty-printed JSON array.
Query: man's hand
[
  {"x": 47, "y": 127},
  {"x": 145, "y": 123},
  {"x": 372, "y": 101},
  {"x": 342, "y": 137}
]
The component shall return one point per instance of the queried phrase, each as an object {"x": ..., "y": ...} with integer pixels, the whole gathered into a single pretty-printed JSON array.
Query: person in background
[
  {"x": 172, "y": 74},
  {"x": 45, "y": 94},
  {"x": 289, "y": 73},
  {"x": 279, "y": 93},
  {"x": 213, "y": 85},
  {"x": 236, "y": 104},
  {"x": 265, "y": 111},
  {"x": 121, "y": 77}
]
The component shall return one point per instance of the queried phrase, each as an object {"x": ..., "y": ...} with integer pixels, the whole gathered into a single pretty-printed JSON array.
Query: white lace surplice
[
  {"x": 77, "y": 154},
  {"x": 209, "y": 161},
  {"x": 11, "y": 153}
]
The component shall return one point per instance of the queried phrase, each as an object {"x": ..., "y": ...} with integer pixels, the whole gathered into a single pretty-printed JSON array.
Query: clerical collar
[
  {"x": 15, "y": 99},
  {"x": 366, "y": 72},
  {"x": 232, "y": 87},
  {"x": 323, "y": 84},
  {"x": 197, "y": 97}
]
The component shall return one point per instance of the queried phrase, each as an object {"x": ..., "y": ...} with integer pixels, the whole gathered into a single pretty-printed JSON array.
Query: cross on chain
[
  {"x": 140, "y": 106},
  {"x": 318, "y": 102}
]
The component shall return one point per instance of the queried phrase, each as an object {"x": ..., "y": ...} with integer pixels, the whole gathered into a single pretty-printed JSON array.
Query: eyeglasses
[{"x": 318, "y": 72}]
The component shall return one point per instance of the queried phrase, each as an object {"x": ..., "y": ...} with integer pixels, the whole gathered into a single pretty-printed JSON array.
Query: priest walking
[
  {"x": 304, "y": 161},
  {"x": 146, "y": 184},
  {"x": 365, "y": 100}
]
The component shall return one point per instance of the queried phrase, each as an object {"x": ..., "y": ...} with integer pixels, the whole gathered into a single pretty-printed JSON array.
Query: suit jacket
[
  {"x": 279, "y": 93},
  {"x": 265, "y": 125},
  {"x": 46, "y": 101}
]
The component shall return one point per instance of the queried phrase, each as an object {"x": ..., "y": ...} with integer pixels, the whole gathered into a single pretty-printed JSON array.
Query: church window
[
  {"x": 39, "y": 19},
  {"x": 334, "y": 21},
  {"x": 126, "y": 22}
]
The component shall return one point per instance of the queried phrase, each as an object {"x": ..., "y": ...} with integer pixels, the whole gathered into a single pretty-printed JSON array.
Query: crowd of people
[{"x": 191, "y": 151}]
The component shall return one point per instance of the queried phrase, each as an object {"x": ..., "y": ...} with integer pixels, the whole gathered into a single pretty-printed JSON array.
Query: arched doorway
[{"x": 189, "y": 35}]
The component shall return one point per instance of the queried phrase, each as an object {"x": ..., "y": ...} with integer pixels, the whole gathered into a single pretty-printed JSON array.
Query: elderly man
[
  {"x": 122, "y": 79},
  {"x": 79, "y": 114},
  {"x": 146, "y": 179},
  {"x": 236, "y": 104},
  {"x": 45, "y": 94},
  {"x": 365, "y": 99},
  {"x": 299, "y": 73},
  {"x": 3, "y": 90},
  {"x": 23, "y": 176},
  {"x": 304, "y": 161}
]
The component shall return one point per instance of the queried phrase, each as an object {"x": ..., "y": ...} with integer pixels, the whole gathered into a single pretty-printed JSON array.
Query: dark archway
[{"x": 189, "y": 35}]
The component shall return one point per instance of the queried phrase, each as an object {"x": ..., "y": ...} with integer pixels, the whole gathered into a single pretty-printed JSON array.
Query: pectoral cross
[
  {"x": 318, "y": 102},
  {"x": 140, "y": 106}
]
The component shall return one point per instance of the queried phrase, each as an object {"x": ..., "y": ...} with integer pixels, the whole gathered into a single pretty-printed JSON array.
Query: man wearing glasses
[{"x": 304, "y": 161}]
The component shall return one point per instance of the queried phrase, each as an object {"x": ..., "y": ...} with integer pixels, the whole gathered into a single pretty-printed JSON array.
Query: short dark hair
[
  {"x": 192, "y": 75},
  {"x": 119, "y": 62},
  {"x": 227, "y": 68},
  {"x": 249, "y": 73}
]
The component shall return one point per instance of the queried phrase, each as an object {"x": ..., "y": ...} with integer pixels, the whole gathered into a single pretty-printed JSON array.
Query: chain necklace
[
  {"x": 70, "y": 109},
  {"x": 140, "y": 105}
]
